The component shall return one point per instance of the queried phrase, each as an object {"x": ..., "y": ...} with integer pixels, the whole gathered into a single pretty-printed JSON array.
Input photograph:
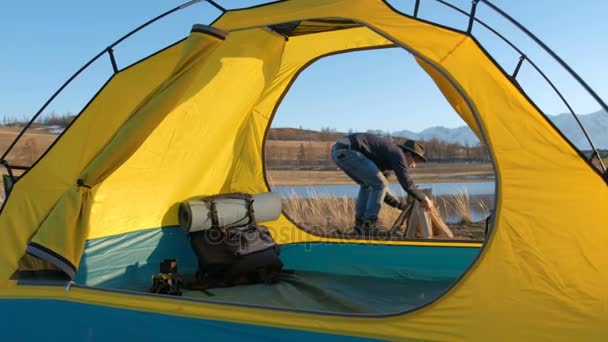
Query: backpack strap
[
  {"x": 234, "y": 195},
  {"x": 215, "y": 221},
  {"x": 250, "y": 211}
]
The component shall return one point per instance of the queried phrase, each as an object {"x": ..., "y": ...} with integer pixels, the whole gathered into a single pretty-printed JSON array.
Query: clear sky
[{"x": 45, "y": 42}]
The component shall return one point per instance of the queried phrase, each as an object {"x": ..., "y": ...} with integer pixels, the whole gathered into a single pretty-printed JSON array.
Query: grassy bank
[{"x": 335, "y": 216}]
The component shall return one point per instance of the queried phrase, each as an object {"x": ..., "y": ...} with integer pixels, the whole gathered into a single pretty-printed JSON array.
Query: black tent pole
[
  {"x": 214, "y": 4},
  {"x": 550, "y": 52},
  {"x": 565, "y": 66},
  {"x": 416, "y": 8},
  {"x": 108, "y": 49},
  {"x": 536, "y": 67},
  {"x": 472, "y": 15}
]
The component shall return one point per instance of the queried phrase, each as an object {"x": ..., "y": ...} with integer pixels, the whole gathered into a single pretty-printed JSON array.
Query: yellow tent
[{"x": 191, "y": 120}]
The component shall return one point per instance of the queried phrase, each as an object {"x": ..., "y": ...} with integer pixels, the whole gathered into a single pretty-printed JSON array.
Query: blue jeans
[{"x": 372, "y": 183}]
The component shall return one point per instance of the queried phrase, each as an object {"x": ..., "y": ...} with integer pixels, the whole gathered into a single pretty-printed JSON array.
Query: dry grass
[
  {"x": 459, "y": 203},
  {"x": 330, "y": 215},
  {"x": 28, "y": 149}
]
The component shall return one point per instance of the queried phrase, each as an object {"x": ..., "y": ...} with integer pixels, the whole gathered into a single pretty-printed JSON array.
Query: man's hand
[
  {"x": 402, "y": 205},
  {"x": 427, "y": 203}
]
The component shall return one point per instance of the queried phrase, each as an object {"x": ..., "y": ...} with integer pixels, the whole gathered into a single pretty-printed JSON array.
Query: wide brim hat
[{"x": 414, "y": 147}]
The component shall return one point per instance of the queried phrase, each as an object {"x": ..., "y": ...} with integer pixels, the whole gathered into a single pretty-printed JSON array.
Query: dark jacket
[{"x": 388, "y": 157}]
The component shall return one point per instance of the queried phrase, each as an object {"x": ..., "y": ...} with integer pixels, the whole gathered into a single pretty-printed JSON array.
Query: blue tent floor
[
  {"x": 357, "y": 278},
  {"x": 323, "y": 292}
]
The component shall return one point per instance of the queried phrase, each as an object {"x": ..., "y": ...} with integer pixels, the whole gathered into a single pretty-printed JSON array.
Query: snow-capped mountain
[
  {"x": 462, "y": 135},
  {"x": 596, "y": 125}
]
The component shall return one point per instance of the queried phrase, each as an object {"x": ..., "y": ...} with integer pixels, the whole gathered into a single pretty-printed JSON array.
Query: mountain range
[{"x": 595, "y": 123}]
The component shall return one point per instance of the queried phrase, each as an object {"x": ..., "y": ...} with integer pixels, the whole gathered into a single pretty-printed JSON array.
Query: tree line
[
  {"x": 298, "y": 148},
  {"x": 294, "y": 149},
  {"x": 52, "y": 119}
]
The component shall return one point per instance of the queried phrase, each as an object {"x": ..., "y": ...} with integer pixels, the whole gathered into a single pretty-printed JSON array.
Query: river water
[
  {"x": 478, "y": 192},
  {"x": 438, "y": 189}
]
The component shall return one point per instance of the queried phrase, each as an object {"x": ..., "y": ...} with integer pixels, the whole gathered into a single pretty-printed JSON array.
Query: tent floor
[{"x": 323, "y": 292}]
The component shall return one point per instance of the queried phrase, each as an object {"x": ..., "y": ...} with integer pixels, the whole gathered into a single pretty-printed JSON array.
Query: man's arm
[
  {"x": 393, "y": 200},
  {"x": 407, "y": 183}
]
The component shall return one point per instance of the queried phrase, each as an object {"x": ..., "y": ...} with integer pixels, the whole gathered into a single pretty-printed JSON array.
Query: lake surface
[
  {"x": 439, "y": 189},
  {"x": 347, "y": 190}
]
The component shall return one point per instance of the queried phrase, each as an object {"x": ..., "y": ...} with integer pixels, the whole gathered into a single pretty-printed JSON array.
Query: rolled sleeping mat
[{"x": 196, "y": 215}]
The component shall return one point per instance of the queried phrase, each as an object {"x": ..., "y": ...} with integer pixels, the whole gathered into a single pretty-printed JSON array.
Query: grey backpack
[{"x": 234, "y": 255}]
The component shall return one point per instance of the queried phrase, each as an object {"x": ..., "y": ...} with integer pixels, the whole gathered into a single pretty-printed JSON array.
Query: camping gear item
[
  {"x": 168, "y": 281},
  {"x": 231, "y": 248},
  {"x": 229, "y": 210},
  {"x": 235, "y": 256},
  {"x": 415, "y": 221}
]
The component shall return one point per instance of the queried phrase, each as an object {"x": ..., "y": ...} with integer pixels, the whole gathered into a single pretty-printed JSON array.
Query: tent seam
[{"x": 459, "y": 44}]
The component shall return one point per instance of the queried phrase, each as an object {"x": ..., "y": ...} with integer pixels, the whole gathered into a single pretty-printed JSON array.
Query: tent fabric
[
  {"x": 135, "y": 325},
  {"x": 138, "y": 325},
  {"x": 38, "y": 191},
  {"x": 537, "y": 276},
  {"x": 205, "y": 142},
  {"x": 312, "y": 26},
  {"x": 77, "y": 201},
  {"x": 130, "y": 260},
  {"x": 330, "y": 293},
  {"x": 452, "y": 96},
  {"x": 324, "y": 277}
]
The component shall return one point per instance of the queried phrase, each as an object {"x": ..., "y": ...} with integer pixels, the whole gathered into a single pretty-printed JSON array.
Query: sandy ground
[{"x": 425, "y": 173}]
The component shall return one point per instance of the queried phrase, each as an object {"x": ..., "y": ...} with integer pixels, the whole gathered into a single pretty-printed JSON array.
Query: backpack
[{"x": 234, "y": 255}]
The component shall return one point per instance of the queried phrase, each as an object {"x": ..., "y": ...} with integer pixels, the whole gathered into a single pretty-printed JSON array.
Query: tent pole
[
  {"x": 112, "y": 59},
  {"x": 416, "y": 8},
  {"x": 27, "y": 126},
  {"x": 542, "y": 74},
  {"x": 522, "y": 58},
  {"x": 214, "y": 4},
  {"x": 550, "y": 52},
  {"x": 563, "y": 64},
  {"x": 8, "y": 169},
  {"x": 472, "y": 15}
]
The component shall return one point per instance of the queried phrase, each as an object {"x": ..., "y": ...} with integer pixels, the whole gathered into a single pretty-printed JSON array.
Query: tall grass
[
  {"x": 327, "y": 214},
  {"x": 460, "y": 204}
]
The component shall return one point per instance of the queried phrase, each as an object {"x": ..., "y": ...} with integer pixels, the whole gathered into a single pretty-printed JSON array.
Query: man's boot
[
  {"x": 358, "y": 227},
  {"x": 374, "y": 230},
  {"x": 370, "y": 227}
]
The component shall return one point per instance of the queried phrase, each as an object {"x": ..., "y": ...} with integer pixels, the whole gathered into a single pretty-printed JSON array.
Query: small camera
[
  {"x": 168, "y": 281},
  {"x": 168, "y": 266}
]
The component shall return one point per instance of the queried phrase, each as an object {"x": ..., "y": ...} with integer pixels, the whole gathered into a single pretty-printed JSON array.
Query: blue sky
[{"x": 45, "y": 42}]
